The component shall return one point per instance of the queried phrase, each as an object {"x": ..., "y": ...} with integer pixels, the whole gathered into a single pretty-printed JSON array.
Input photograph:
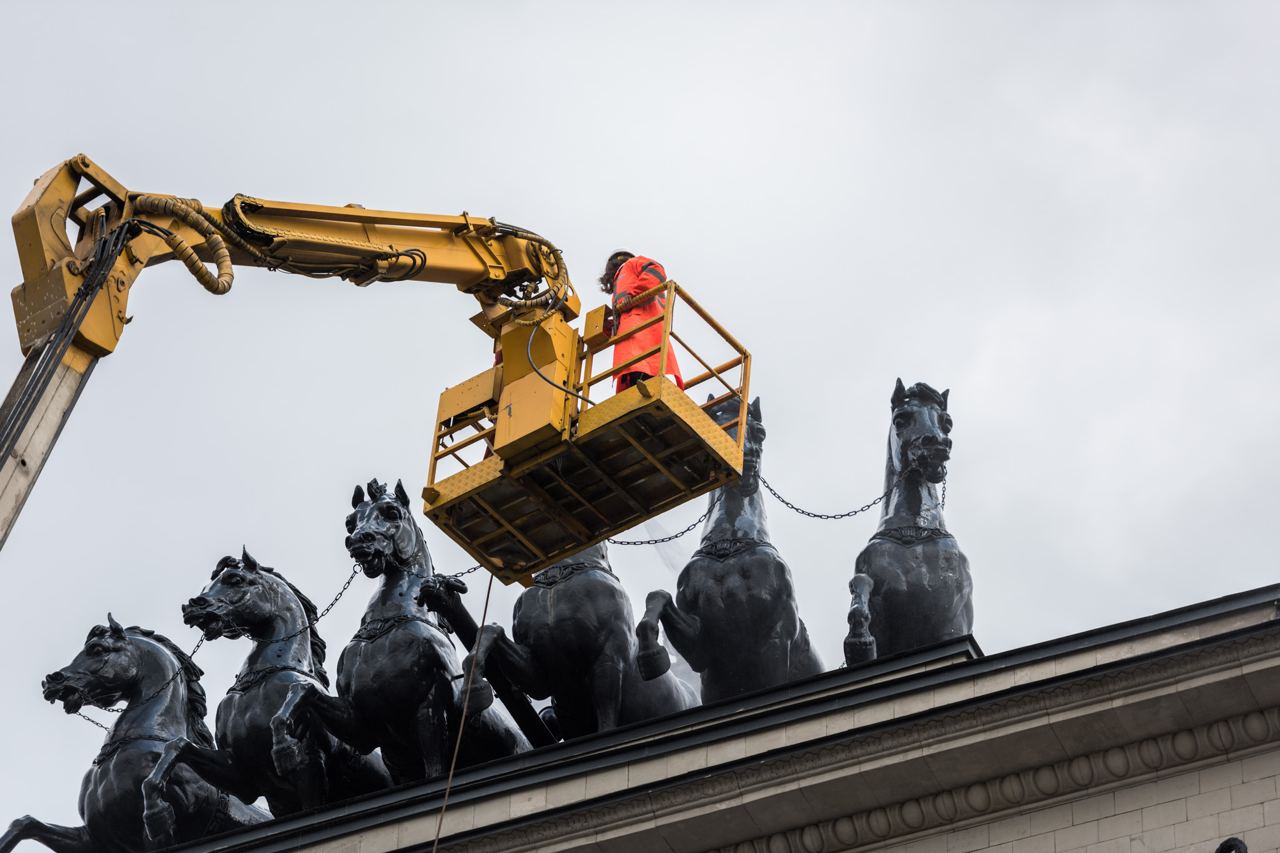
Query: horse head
[
  {"x": 919, "y": 438},
  {"x": 102, "y": 673},
  {"x": 381, "y": 531},
  {"x": 116, "y": 662},
  {"x": 246, "y": 598},
  {"x": 241, "y": 599},
  {"x": 727, "y": 413}
]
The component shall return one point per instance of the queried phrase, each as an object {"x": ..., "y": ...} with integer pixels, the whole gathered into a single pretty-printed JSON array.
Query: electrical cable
[
  {"x": 106, "y": 249},
  {"x": 528, "y": 352}
]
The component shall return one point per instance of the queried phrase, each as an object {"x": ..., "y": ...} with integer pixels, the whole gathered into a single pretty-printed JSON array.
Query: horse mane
[
  {"x": 197, "y": 706},
  {"x": 924, "y": 393},
  {"x": 309, "y": 612}
]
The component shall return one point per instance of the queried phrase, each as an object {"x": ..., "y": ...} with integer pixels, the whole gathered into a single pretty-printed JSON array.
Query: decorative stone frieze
[{"x": 1091, "y": 772}]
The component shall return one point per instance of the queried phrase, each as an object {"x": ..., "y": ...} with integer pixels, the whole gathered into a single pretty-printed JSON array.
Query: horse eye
[
  {"x": 901, "y": 420},
  {"x": 96, "y": 650},
  {"x": 389, "y": 512},
  {"x": 945, "y": 424},
  {"x": 351, "y": 524},
  {"x": 232, "y": 580}
]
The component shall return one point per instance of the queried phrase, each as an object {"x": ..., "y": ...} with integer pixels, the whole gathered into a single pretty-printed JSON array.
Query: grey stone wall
[{"x": 1191, "y": 812}]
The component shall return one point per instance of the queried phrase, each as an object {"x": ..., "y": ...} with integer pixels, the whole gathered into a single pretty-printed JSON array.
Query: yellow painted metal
[
  {"x": 522, "y": 471},
  {"x": 633, "y": 456}
]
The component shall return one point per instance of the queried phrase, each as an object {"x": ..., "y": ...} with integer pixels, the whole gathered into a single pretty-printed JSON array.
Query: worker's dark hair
[{"x": 616, "y": 260}]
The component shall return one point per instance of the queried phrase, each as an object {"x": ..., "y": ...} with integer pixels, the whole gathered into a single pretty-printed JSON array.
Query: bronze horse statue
[
  {"x": 734, "y": 616},
  {"x": 247, "y": 599},
  {"x": 399, "y": 682},
  {"x": 572, "y": 641},
  {"x": 920, "y": 587},
  {"x": 161, "y": 686}
]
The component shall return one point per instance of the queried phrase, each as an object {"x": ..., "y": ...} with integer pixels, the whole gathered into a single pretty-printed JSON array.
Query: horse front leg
[
  {"x": 479, "y": 691},
  {"x": 292, "y": 728},
  {"x": 61, "y": 839},
  {"x": 606, "y": 687},
  {"x": 200, "y": 804},
  {"x": 158, "y": 818},
  {"x": 683, "y": 631},
  {"x": 859, "y": 645},
  {"x": 514, "y": 660}
]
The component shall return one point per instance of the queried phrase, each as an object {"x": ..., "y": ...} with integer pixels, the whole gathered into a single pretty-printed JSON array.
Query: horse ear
[
  {"x": 945, "y": 394},
  {"x": 401, "y": 495},
  {"x": 357, "y": 497},
  {"x": 248, "y": 561},
  {"x": 223, "y": 564},
  {"x": 117, "y": 630},
  {"x": 754, "y": 409},
  {"x": 899, "y": 394}
]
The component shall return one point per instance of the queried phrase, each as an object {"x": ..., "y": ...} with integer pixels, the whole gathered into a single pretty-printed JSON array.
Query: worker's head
[{"x": 615, "y": 262}]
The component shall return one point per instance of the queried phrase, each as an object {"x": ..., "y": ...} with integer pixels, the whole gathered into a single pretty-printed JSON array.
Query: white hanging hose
[{"x": 191, "y": 216}]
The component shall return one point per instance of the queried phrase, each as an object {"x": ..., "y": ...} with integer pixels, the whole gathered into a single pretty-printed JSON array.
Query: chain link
[
  {"x": 822, "y": 515},
  {"x": 355, "y": 570},
  {"x": 475, "y": 568},
  {"x": 944, "y": 494},
  {"x": 661, "y": 539}
]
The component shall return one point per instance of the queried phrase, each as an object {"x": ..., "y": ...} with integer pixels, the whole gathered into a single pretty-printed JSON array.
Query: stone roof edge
[{"x": 612, "y": 748}]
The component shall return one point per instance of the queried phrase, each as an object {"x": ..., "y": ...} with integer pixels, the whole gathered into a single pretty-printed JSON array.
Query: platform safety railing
[{"x": 734, "y": 374}]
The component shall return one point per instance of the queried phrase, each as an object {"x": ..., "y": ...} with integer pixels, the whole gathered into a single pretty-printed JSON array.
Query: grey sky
[{"x": 1064, "y": 212}]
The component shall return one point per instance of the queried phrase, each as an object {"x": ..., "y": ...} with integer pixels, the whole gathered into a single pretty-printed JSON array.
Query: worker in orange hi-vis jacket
[{"x": 626, "y": 276}]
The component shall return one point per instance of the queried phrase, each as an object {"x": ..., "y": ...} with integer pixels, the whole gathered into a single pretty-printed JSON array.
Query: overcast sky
[{"x": 1064, "y": 212}]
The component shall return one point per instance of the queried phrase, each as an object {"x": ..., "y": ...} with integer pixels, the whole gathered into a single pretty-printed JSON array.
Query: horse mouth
[
  {"x": 372, "y": 560},
  {"x": 72, "y": 696},
  {"x": 211, "y": 623}
]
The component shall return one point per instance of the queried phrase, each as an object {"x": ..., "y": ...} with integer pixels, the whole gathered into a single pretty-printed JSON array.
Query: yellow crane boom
[{"x": 72, "y": 308}]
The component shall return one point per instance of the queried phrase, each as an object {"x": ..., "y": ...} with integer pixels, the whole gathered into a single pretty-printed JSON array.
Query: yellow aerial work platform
[{"x": 600, "y": 467}]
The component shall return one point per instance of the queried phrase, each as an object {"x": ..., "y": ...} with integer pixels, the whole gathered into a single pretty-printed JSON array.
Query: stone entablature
[{"x": 941, "y": 747}]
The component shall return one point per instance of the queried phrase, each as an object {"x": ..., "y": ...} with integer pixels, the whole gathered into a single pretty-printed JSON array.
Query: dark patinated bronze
[
  {"x": 399, "y": 682},
  {"x": 922, "y": 590},
  {"x": 165, "y": 702},
  {"x": 246, "y": 599},
  {"x": 734, "y": 616},
  {"x": 573, "y": 641}
]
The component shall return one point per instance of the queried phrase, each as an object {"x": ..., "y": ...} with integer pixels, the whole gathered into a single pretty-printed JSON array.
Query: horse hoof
[
  {"x": 160, "y": 824},
  {"x": 480, "y": 696},
  {"x": 287, "y": 757},
  {"x": 653, "y": 662},
  {"x": 859, "y": 650}
]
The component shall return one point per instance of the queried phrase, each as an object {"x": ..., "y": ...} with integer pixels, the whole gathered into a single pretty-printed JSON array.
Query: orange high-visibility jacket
[{"x": 633, "y": 278}]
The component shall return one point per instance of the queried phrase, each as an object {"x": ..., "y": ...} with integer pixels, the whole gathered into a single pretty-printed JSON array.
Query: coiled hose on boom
[{"x": 191, "y": 216}]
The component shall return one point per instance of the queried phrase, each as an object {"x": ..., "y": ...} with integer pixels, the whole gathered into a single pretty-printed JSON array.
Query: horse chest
[
  {"x": 937, "y": 568},
  {"x": 112, "y": 804},
  {"x": 244, "y": 721},
  {"x": 393, "y": 669},
  {"x": 752, "y": 584},
  {"x": 575, "y": 619}
]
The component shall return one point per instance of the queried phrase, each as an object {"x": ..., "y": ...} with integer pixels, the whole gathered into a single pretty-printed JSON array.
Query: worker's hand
[{"x": 623, "y": 303}]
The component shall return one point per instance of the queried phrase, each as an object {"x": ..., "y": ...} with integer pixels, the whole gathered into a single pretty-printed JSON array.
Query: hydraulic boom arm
[{"x": 71, "y": 308}]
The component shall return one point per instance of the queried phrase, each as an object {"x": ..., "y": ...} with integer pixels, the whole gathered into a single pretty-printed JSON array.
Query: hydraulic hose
[{"x": 191, "y": 216}]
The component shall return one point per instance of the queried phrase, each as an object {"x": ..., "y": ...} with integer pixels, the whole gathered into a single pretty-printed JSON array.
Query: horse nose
[
  {"x": 198, "y": 601},
  {"x": 55, "y": 678},
  {"x": 932, "y": 441}
]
